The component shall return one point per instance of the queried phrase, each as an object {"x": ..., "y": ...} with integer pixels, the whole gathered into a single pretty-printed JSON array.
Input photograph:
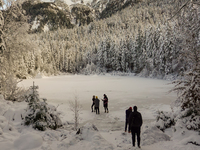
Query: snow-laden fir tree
[
  {"x": 100, "y": 55},
  {"x": 138, "y": 57},
  {"x": 188, "y": 88},
  {"x": 124, "y": 51},
  {"x": 116, "y": 55},
  {"x": 39, "y": 114}
]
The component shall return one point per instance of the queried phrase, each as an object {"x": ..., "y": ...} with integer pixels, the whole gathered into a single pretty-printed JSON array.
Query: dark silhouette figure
[
  {"x": 105, "y": 102},
  {"x": 135, "y": 122},
  {"x": 128, "y": 112},
  {"x": 93, "y": 104},
  {"x": 97, "y": 105},
  {"x": 79, "y": 131}
]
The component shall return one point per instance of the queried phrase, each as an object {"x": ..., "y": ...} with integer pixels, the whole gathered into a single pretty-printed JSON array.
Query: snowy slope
[{"x": 102, "y": 132}]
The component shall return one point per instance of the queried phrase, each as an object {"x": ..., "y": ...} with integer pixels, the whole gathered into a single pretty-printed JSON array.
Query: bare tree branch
[
  {"x": 196, "y": 3},
  {"x": 179, "y": 9},
  {"x": 75, "y": 107}
]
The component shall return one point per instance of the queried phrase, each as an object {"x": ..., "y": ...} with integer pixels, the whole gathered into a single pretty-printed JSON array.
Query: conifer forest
[{"x": 151, "y": 38}]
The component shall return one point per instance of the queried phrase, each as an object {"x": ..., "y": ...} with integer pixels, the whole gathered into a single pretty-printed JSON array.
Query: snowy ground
[
  {"x": 99, "y": 132},
  {"x": 70, "y": 2}
]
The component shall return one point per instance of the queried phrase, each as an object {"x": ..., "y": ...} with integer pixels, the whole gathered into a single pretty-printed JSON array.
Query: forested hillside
[{"x": 149, "y": 37}]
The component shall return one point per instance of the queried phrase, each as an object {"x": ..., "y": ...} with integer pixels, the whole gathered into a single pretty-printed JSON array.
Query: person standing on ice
[
  {"x": 93, "y": 104},
  {"x": 97, "y": 105},
  {"x": 135, "y": 122},
  {"x": 105, "y": 102},
  {"x": 128, "y": 112}
]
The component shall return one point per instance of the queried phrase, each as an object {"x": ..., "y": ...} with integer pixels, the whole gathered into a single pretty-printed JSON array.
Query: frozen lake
[{"x": 149, "y": 95}]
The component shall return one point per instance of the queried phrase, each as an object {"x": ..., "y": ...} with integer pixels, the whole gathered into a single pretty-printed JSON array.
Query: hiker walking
[
  {"x": 105, "y": 102},
  {"x": 93, "y": 104},
  {"x": 127, "y": 112},
  {"x": 135, "y": 122},
  {"x": 97, "y": 105}
]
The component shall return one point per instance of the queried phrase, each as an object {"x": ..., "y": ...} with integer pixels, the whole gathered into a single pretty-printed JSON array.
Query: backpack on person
[{"x": 135, "y": 120}]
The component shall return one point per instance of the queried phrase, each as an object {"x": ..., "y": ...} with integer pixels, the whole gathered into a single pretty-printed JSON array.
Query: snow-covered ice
[{"x": 102, "y": 132}]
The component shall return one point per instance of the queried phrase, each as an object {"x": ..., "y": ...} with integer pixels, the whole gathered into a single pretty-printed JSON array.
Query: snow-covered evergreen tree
[
  {"x": 189, "y": 91},
  {"x": 39, "y": 114},
  {"x": 188, "y": 88},
  {"x": 131, "y": 48},
  {"x": 114, "y": 55},
  {"x": 138, "y": 57},
  {"x": 124, "y": 55},
  {"x": 100, "y": 55},
  {"x": 117, "y": 61}
]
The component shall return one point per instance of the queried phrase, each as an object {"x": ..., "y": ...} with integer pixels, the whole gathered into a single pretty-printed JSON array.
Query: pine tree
[
  {"x": 149, "y": 57},
  {"x": 100, "y": 53},
  {"x": 189, "y": 91},
  {"x": 39, "y": 114},
  {"x": 117, "y": 61},
  {"x": 113, "y": 55},
  {"x": 189, "y": 87},
  {"x": 138, "y": 57},
  {"x": 124, "y": 49}
]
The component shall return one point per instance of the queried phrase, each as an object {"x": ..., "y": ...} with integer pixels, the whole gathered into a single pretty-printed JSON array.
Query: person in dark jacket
[
  {"x": 93, "y": 99},
  {"x": 135, "y": 122},
  {"x": 128, "y": 112},
  {"x": 105, "y": 102},
  {"x": 97, "y": 105}
]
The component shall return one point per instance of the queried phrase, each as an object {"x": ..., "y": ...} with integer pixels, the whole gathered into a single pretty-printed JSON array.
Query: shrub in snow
[
  {"x": 185, "y": 118},
  {"x": 89, "y": 69},
  {"x": 191, "y": 119},
  {"x": 88, "y": 139},
  {"x": 164, "y": 120},
  {"x": 186, "y": 110},
  {"x": 87, "y": 128},
  {"x": 189, "y": 99},
  {"x": 9, "y": 88},
  {"x": 39, "y": 113},
  {"x": 151, "y": 135}
]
